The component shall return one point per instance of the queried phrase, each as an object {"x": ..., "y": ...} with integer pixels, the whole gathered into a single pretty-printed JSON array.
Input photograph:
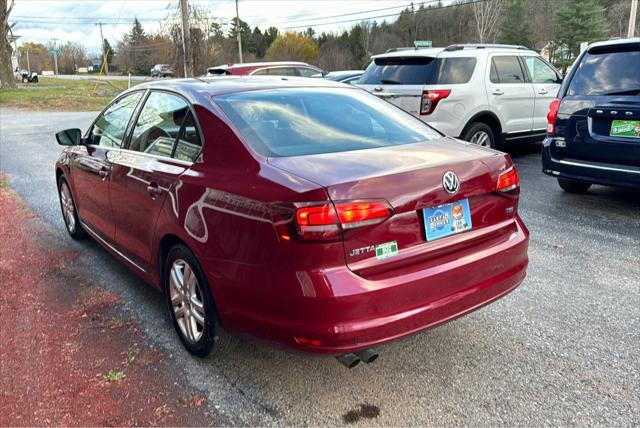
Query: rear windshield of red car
[
  {"x": 307, "y": 121},
  {"x": 608, "y": 71}
]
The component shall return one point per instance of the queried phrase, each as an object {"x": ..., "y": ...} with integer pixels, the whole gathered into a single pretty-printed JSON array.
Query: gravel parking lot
[{"x": 562, "y": 349}]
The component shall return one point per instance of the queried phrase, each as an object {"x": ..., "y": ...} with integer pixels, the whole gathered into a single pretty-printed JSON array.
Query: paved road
[
  {"x": 560, "y": 350},
  {"x": 95, "y": 76}
]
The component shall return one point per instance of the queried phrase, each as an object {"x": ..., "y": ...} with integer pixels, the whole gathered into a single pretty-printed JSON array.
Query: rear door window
[
  {"x": 166, "y": 127},
  {"x": 454, "y": 71},
  {"x": 608, "y": 71},
  {"x": 506, "y": 69},
  {"x": 282, "y": 71},
  {"x": 400, "y": 71}
]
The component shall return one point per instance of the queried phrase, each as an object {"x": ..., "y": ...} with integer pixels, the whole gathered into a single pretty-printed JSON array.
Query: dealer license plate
[
  {"x": 447, "y": 219},
  {"x": 625, "y": 128}
]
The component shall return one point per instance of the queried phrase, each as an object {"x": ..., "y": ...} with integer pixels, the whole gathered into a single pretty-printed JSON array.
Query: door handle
[
  {"x": 153, "y": 190},
  {"x": 104, "y": 173},
  {"x": 543, "y": 91},
  {"x": 498, "y": 92}
]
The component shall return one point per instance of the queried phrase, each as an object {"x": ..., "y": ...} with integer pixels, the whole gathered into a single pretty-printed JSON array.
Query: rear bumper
[
  {"x": 386, "y": 308},
  {"x": 588, "y": 171}
]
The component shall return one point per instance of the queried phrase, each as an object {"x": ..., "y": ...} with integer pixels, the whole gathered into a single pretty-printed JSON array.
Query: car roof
[
  {"x": 614, "y": 42},
  {"x": 227, "y": 84},
  {"x": 344, "y": 73},
  {"x": 432, "y": 52},
  {"x": 454, "y": 50},
  {"x": 257, "y": 64}
]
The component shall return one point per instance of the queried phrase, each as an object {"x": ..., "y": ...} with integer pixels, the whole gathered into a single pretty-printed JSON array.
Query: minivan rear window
[
  {"x": 419, "y": 71},
  {"x": 607, "y": 72},
  {"x": 307, "y": 121}
]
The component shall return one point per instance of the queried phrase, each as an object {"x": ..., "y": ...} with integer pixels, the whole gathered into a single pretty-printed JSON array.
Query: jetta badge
[{"x": 451, "y": 182}]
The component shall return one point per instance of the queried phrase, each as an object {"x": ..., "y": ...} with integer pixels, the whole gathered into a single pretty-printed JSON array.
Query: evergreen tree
[
  {"x": 108, "y": 50},
  {"x": 576, "y": 22},
  {"x": 137, "y": 33},
  {"x": 514, "y": 23}
]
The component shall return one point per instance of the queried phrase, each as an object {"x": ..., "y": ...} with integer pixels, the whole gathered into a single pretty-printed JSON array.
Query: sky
[{"x": 65, "y": 20}]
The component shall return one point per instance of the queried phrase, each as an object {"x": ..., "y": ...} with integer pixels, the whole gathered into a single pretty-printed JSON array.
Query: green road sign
[
  {"x": 423, "y": 43},
  {"x": 55, "y": 51}
]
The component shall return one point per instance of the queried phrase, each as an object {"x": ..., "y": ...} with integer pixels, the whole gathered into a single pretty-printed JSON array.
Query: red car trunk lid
[{"x": 410, "y": 178}]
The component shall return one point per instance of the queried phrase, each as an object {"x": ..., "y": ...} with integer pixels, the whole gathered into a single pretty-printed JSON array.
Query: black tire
[
  {"x": 74, "y": 228},
  {"x": 572, "y": 186},
  {"x": 206, "y": 342},
  {"x": 475, "y": 130},
  {"x": 25, "y": 80}
]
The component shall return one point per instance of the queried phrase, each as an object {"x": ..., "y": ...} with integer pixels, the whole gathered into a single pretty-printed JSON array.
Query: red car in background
[
  {"x": 299, "y": 211},
  {"x": 279, "y": 68}
]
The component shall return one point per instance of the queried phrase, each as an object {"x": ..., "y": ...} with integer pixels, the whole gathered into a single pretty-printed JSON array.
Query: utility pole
[
  {"x": 632, "y": 18},
  {"x": 238, "y": 33},
  {"x": 55, "y": 56},
  {"x": 105, "y": 54},
  {"x": 415, "y": 22},
  {"x": 184, "y": 10},
  {"x": 28, "y": 64}
]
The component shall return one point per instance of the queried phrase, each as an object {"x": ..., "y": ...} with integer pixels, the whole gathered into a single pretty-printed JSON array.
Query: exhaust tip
[
  {"x": 348, "y": 360},
  {"x": 367, "y": 355}
]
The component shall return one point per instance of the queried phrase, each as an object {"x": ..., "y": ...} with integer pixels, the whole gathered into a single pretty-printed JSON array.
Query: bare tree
[
  {"x": 487, "y": 14},
  {"x": 7, "y": 78},
  {"x": 365, "y": 38}
]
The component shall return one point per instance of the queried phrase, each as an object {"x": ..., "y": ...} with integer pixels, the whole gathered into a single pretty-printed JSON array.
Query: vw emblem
[{"x": 451, "y": 182}]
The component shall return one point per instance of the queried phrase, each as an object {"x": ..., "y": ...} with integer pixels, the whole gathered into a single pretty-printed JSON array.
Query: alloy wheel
[
  {"x": 68, "y": 209},
  {"x": 481, "y": 138},
  {"x": 187, "y": 300}
]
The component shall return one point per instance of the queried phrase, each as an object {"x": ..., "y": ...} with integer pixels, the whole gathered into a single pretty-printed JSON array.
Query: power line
[
  {"x": 430, "y": 9},
  {"x": 115, "y": 21},
  {"x": 355, "y": 13}
]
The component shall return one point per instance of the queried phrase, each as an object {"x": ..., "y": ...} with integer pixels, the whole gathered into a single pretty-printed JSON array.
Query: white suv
[{"x": 486, "y": 94}]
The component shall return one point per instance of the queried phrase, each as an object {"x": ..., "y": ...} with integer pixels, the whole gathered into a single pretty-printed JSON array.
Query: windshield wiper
[
  {"x": 390, "y": 82},
  {"x": 629, "y": 92}
]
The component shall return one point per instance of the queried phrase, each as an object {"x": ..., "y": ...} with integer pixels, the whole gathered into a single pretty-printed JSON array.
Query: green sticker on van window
[
  {"x": 625, "y": 128},
  {"x": 386, "y": 250}
]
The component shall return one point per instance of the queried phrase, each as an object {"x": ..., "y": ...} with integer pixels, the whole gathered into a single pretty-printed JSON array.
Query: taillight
[
  {"x": 356, "y": 214},
  {"x": 319, "y": 222},
  {"x": 326, "y": 221},
  {"x": 508, "y": 180},
  {"x": 552, "y": 116},
  {"x": 431, "y": 98}
]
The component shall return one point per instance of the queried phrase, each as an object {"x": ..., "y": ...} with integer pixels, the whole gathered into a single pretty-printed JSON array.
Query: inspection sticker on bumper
[
  {"x": 386, "y": 250},
  {"x": 447, "y": 219}
]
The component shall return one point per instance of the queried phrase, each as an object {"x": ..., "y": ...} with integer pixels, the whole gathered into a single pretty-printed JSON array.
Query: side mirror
[{"x": 69, "y": 137}]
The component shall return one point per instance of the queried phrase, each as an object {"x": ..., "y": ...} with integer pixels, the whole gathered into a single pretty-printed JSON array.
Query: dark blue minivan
[{"x": 593, "y": 135}]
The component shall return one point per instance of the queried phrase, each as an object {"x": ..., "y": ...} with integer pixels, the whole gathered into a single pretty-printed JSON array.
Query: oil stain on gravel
[{"x": 366, "y": 411}]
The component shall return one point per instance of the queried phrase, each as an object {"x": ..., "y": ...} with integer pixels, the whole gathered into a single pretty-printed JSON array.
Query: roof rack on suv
[
  {"x": 400, "y": 49},
  {"x": 460, "y": 47}
]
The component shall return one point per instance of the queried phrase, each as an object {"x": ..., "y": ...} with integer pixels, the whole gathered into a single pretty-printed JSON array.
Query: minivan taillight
[
  {"x": 431, "y": 98},
  {"x": 508, "y": 180},
  {"x": 326, "y": 221},
  {"x": 552, "y": 116}
]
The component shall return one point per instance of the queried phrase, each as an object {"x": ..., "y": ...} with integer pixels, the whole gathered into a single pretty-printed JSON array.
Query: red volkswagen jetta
[{"x": 300, "y": 211}]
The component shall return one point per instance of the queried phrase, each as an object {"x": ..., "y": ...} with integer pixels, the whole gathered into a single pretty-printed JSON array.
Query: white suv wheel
[{"x": 481, "y": 138}]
